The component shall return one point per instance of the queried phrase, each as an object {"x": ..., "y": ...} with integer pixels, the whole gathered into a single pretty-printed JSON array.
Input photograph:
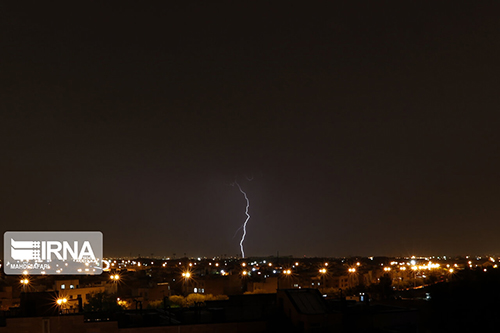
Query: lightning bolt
[{"x": 246, "y": 221}]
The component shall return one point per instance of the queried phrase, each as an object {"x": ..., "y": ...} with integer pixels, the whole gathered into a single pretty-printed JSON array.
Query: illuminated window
[
  {"x": 63, "y": 286},
  {"x": 71, "y": 286}
]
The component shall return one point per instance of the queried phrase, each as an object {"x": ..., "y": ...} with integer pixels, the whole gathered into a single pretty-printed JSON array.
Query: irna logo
[
  {"x": 48, "y": 250},
  {"x": 53, "y": 252}
]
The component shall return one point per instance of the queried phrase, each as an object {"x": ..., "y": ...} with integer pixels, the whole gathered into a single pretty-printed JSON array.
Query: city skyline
[{"x": 363, "y": 130}]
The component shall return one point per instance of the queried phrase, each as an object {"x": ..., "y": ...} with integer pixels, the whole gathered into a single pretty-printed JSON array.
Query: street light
[
  {"x": 352, "y": 276},
  {"x": 287, "y": 273},
  {"x": 323, "y": 273},
  {"x": 115, "y": 278},
  {"x": 185, "y": 283},
  {"x": 61, "y": 302},
  {"x": 414, "y": 268},
  {"x": 450, "y": 273},
  {"x": 25, "y": 283}
]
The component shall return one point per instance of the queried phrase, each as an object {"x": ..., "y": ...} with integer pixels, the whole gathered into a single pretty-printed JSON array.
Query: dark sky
[{"x": 368, "y": 129}]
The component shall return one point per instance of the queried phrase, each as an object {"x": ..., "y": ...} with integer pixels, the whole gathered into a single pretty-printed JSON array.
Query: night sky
[{"x": 367, "y": 129}]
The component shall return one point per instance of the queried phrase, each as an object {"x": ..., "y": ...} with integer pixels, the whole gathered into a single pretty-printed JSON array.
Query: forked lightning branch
[{"x": 244, "y": 226}]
